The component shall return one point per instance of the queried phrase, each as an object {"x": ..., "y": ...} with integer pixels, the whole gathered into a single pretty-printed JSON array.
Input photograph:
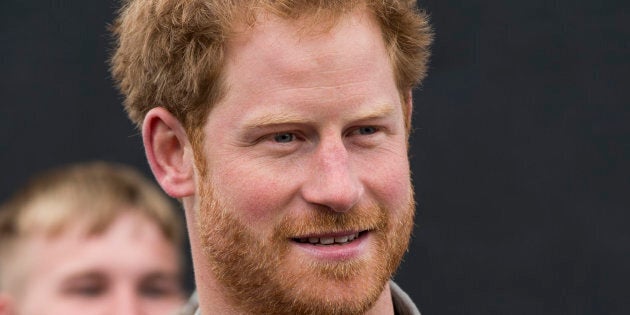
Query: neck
[
  {"x": 211, "y": 300},
  {"x": 384, "y": 304}
]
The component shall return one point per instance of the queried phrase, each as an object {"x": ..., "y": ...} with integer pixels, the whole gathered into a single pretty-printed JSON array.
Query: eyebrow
[
  {"x": 91, "y": 275},
  {"x": 276, "y": 119},
  {"x": 162, "y": 275},
  {"x": 379, "y": 111},
  {"x": 272, "y": 119}
]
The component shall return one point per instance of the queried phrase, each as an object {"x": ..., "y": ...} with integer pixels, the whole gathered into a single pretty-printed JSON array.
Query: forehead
[
  {"x": 287, "y": 64},
  {"x": 137, "y": 241},
  {"x": 300, "y": 50}
]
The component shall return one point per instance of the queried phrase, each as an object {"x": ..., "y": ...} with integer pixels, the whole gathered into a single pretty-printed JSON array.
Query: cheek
[
  {"x": 253, "y": 192},
  {"x": 52, "y": 302},
  {"x": 163, "y": 306},
  {"x": 389, "y": 183}
]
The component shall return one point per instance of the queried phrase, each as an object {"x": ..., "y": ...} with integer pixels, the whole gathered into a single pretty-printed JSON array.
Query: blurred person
[
  {"x": 92, "y": 238},
  {"x": 282, "y": 127}
]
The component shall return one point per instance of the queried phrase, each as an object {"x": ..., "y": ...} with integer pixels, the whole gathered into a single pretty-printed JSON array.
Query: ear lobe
[
  {"x": 169, "y": 152},
  {"x": 6, "y": 304}
]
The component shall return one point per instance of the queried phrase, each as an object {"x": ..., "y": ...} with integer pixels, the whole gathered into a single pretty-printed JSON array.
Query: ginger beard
[{"x": 261, "y": 275}]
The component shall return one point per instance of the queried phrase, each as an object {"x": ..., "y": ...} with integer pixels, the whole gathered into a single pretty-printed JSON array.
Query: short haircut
[
  {"x": 94, "y": 193},
  {"x": 170, "y": 53}
]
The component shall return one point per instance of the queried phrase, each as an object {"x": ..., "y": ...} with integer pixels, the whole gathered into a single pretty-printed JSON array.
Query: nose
[
  {"x": 331, "y": 182},
  {"x": 127, "y": 302}
]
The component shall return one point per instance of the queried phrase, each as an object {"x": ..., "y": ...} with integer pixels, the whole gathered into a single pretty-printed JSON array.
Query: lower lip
[{"x": 336, "y": 252}]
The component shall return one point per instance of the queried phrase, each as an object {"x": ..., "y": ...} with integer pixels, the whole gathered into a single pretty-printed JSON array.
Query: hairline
[{"x": 310, "y": 27}]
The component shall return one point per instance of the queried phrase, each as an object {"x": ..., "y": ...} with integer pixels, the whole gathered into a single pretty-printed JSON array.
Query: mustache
[{"x": 323, "y": 220}]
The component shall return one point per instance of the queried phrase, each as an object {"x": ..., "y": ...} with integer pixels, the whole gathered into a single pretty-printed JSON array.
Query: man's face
[
  {"x": 129, "y": 269},
  {"x": 306, "y": 205}
]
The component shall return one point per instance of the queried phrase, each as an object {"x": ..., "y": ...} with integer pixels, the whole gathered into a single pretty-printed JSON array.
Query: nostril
[
  {"x": 332, "y": 183},
  {"x": 332, "y": 192}
]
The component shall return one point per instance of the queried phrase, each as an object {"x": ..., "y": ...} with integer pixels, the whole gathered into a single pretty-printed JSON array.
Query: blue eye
[
  {"x": 284, "y": 137},
  {"x": 367, "y": 130}
]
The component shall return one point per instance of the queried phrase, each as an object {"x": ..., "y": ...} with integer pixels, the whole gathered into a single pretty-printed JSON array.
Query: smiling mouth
[{"x": 330, "y": 240}]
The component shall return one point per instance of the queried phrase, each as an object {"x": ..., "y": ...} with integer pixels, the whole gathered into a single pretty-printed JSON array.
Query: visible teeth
[
  {"x": 326, "y": 240},
  {"x": 329, "y": 240}
]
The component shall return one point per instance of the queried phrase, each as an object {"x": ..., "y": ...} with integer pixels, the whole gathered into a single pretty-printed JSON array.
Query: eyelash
[
  {"x": 275, "y": 137},
  {"x": 373, "y": 130}
]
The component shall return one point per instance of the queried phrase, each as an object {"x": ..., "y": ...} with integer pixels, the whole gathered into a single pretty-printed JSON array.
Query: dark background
[{"x": 520, "y": 154}]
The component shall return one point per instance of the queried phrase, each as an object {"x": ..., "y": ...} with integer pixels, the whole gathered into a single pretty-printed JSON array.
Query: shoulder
[{"x": 191, "y": 307}]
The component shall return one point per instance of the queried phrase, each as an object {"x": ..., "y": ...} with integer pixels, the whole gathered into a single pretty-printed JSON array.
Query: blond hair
[
  {"x": 94, "y": 193},
  {"x": 170, "y": 53}
]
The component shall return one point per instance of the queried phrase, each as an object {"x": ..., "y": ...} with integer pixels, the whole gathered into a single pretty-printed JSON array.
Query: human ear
[
  {"x": 6, "y": 304},
  {"x": 169, "y": 152}
]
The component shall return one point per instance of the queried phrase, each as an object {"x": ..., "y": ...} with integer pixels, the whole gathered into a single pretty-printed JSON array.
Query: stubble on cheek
[{"x": 259, "y": 275}]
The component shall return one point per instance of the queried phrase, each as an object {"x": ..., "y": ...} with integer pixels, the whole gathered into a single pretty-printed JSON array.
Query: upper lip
[{"x": 329, "y": 234}]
